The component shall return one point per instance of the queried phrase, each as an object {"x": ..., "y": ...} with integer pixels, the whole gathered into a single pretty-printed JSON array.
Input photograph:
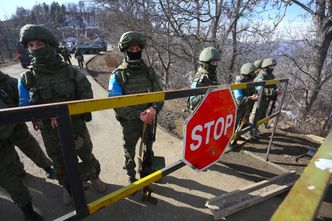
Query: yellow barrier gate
[{"x": 62, "y": 111}]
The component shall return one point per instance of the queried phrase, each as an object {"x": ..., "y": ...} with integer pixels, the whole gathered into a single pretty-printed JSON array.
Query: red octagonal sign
[{"x": 209, "y": 129}]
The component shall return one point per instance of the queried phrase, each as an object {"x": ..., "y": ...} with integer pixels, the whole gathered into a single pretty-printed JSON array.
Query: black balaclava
[
  {"x": 211, "y": 69},
  {"x": 269, "y": 70},
  {"x": 44, "y": 53},
  {"x": 46, "y": 58},
  {"x": 246, "y": 78},
  {"x": 134, "y": 56}
]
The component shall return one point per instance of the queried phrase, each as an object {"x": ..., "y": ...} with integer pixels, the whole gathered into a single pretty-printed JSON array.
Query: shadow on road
[{"x": 249, "y": 173}]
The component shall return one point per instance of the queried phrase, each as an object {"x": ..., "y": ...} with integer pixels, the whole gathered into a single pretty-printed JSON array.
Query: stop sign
[{"x": 209, "y": 129}]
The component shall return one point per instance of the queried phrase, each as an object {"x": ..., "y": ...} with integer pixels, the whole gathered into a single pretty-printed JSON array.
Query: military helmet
[
  {"x": 258, "y": 63},
  {"x": 247, "y": 68},
  {"x": 31, "y": 32},
  {"x": 268, "y": 62},
  {"x": 131, "y": 37},
  {"x": 209, "y": 54}
]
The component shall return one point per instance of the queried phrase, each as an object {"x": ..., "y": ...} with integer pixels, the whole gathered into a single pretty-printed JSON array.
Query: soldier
[
  {"x": 79, "y": 56},
  {"x": 9, "y": 178},
  {"x": 49, "y": 80},
  {"x": 269, "y": 93},
  {"x": 258, "y": 65},
  {"x": 131, "y": 77},
  {"x": 245, "y": 97},
  {"x": 21, "y": 136},
  {"x": 66, "y": 55},
  {"x": 206, "y": 74}
]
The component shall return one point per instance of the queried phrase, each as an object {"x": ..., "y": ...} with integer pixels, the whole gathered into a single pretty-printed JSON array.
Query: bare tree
[{"x": 313, "y": 66}]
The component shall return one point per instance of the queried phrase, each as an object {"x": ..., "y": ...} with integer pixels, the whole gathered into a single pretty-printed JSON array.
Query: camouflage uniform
[
  {"x": 9, "y": 177},
  {"x": 52, "y": 80},
  {"x": 244, "y": 103},
  {"x": 205, "y": 76},
  {"x": 21, "y": 136},
  {"x": 132, "y": 78},
  {"x": 66, "y": 55},
  {"x": 269, "y": 92},
  {"x": 80, "y": 57}
]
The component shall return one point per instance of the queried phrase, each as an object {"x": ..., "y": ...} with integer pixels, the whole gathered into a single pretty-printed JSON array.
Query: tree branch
[
  {"x": 298, "y": 66},
  {"x": 306, "y": 8}
]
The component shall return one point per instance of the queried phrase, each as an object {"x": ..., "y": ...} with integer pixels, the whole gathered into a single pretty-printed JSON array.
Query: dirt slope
[{"x": 286, "y": 152}]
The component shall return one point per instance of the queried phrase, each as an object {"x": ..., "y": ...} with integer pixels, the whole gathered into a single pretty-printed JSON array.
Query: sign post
[{"x": 209, "y": 129}]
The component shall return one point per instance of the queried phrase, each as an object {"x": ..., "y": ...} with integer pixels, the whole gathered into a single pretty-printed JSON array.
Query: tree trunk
[{"x": 322, "y": 43}]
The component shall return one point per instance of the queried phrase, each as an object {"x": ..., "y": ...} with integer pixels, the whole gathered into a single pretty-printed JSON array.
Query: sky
[
  {"x": 9, "y": 8},
  {"x": 290, "y": 22}
]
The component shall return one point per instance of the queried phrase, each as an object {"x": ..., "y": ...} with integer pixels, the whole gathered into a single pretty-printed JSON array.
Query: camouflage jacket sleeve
[
  {"x": 83, "y": 86},
  {"x": 9, "y": 90},
  {"x": 23, "y": 90},
  {"x": 127, "y": 113},
  {"x": 7, "y": 129},
  {"x": 241, "y": 97},
  {"x": 13, "y": 82},
  {"x": 83, "y": 91},
  {"x": 198, "y": 81}
]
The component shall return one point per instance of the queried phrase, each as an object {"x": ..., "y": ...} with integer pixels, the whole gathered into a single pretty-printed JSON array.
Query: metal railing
[
  {"x": 304, "y": 199},
  {"x": 62, "y": 112}
]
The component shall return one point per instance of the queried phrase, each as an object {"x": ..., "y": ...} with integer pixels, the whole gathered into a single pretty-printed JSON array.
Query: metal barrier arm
[
  {"x": 125, "y": 191},
  {"x": 304, "y": 199},
  {"x": 30, "y": 113},
  {"x": 43, "y": 111},
  {"x": 276, "y": 121},
  {"x": 62, "y": 111},
  {"x": 83, "y": 106}
]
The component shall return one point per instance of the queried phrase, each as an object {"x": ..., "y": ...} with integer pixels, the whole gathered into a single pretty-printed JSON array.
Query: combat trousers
[
  {"x": 23, "y": 139},
  {"x": 89, "y": 166},
  {"x": 132, "y": 130},
  {"x": 80, "y": 63},
  {"x": 261, "y": 112},
  {"x": 67, "y": 60},
  {"x": 242, "y": 112},
  {"x": 12, "y": 183}
]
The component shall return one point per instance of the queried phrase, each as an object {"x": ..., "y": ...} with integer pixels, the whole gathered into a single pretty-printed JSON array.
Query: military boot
[
  {"x": 99, "y": 185},
  {"x": 233, "y": 144},
  {"x": 255, "y": 134},
  {"x": 49, "y": 172},
  {"x": 30, "y": 214}
]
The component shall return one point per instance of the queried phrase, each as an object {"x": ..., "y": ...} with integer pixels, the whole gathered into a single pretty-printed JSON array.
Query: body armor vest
[
  {"x": 269, "y": 90},
  {"x": 46, "y": 87},
  {"x": 135, "y": 80}
]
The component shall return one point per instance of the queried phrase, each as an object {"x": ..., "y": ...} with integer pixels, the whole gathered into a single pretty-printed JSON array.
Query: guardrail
[
  {"x": 62, "y": 112},
  {"x": 304, "y": 199}
]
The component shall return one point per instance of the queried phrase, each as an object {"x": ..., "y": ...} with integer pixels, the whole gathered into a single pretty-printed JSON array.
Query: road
[{"x": 181, "y": 195}]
